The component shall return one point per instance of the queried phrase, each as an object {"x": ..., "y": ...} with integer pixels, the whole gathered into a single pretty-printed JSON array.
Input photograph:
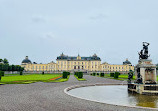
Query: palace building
[{"x": 76, "y": 63}]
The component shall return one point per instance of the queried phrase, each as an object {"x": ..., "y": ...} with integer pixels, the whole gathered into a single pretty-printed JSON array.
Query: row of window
[
  {"x": 60, "y": 62},
  {"x": 42, "y": 67}
]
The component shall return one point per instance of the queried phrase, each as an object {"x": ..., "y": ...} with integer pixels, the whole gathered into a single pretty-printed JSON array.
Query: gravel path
[{"x": 51, "y": 97}]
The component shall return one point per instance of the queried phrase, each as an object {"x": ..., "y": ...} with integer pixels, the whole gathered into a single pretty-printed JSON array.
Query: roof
[
  {"x": 126, "y": 62},
  {"x": 26, "y": 60},
  {"x": 65, "y": 57}
]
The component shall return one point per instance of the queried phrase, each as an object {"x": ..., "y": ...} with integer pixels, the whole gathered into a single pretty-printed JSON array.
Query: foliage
[
  {"x": 42, "y": 73},
  {"x": 97, "y": 74},
  {"x": 4, "y": 66},
  {"x": 94, "y": 74},
  {"x": 80, "y": 75},
  {"x": 65, "y": 74},
  {"x": 80, "y": 79},
  {"x": 101, "y": 74},
  {"x": 116, "y": 75},
  {"x": 0, "y": 75},
  {"x": 111, "y": 74},
  {"x": 5, "y": 61},
  {"x": 21, "y": 73}
]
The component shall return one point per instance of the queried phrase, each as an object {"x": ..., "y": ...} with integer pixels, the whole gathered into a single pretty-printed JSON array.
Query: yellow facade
[{"x": 68, "y": 63}]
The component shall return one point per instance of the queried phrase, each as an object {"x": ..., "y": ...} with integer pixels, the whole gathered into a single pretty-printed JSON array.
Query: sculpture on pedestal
[
  {"x": 143, "y": 54},
  {"x": 145, "y": 74}
]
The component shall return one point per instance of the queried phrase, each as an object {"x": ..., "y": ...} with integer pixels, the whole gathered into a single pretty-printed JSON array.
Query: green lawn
[
  {"x": 25, "y": 79},
  {"x": 121, "y": 77}
]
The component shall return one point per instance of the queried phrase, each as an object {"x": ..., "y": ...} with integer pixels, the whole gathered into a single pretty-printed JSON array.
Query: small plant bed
[
  {"x": 27, "y": 79},
  {"x": 80, "y": 79}
]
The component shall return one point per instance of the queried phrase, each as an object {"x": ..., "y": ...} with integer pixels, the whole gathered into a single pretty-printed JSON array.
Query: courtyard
[{"x": 41, "y": 96}]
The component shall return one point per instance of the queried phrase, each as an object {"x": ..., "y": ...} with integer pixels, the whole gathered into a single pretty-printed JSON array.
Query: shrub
[
  {"x": 80, "y": 74},
  {"x": 2, "y": 73},
  {"x": 94, "y": 74},
  {"x": 68, "y": 73},
  {"x": 97, "y": 74},
  {"x": 76, "y": 73},
  {"x": 21, "y": 73},
  {"x": 101, "y": 74},
  {"x": 116, "y": 75},
  {"x": 91, "y": 74},
  {"x": 65, "y": 74},
  {"x": 111, "y": 74},
  {"x": 42, "y": 73}
]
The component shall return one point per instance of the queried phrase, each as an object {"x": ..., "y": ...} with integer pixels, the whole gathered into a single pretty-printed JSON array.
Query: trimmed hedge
[
  {"x": 2, "y": 73},
  {"x": 79, "y": 74},
  {"x": 65, "y": 74},
  {"x": 94, "y": 74},
  {"x": 116, "y": 75},
  {"x": 101, "y": 74},
  {"x": 111, "y": 74},
  {"x": 21, "y": 73}
]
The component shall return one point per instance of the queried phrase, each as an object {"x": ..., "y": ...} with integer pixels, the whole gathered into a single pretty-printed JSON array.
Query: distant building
[{"x": 76, "y": 63}]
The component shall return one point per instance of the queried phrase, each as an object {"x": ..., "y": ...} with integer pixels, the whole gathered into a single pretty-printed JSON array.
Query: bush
[
  {"x": 21, "y": 73},
  {"x": 97, "y": 74},
  {"x": 76, "y": 73},
  {"x": 90, "y": 74},
  {"x": 116, "y": 75},
  {"x": 65, "y": 74},
  {"x": 68, "y": 73},
  {"x": 101, "y": 74},
  {"x": 42, "y": 73},
  {"x": 94, "y": 74},
  {"x": 80, "y": 74},
  {"x": 2, "y": 73},
  {"x": 111, "y": 74}
]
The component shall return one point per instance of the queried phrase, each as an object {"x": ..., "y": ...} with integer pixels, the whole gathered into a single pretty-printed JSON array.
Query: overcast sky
[{"x": 43, "y": 29}]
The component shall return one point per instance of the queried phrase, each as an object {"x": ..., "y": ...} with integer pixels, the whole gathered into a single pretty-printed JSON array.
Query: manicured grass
[
  {"x": 122, "y": 77},
  {"x": 80, "y": 79},
  {"x": 26, "y": 79}
]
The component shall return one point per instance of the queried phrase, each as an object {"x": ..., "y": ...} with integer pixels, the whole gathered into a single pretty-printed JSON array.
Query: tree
[
  {"x": 5, "y": 61},
  {"x": 1, "y": 60}
]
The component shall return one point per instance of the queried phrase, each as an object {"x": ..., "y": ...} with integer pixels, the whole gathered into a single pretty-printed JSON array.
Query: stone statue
[
  {"x": 143, "y": 54},
  {"x": 139, "y": 77},
  {"x": 130, "y": 76}
]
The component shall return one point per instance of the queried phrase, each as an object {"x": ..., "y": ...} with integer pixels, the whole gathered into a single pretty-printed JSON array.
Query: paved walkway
[{"x": 51, "y": 97}]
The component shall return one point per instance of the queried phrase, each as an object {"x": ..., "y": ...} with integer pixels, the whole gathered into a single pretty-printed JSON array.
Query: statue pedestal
[{"x": 145, "y": 73}]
